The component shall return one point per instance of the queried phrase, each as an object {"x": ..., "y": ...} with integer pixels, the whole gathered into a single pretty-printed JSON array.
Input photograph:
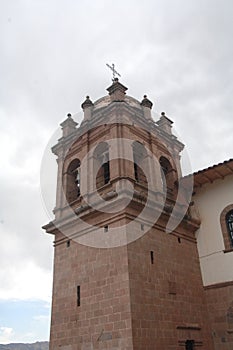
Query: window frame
[
  {"x": 230, "y": 229},
  {"x": 228, "y": 241}
]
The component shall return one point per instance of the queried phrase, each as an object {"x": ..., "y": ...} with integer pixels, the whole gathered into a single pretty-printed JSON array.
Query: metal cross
[{"x": 114, "y": 72}]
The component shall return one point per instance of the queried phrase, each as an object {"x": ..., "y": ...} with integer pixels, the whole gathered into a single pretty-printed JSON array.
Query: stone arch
[
  {"x": 140, "y": 160},
  {"x": 167, "y": 173},
  {"x": 72, "y": 180},
  {"x": 101, "y": 164}
]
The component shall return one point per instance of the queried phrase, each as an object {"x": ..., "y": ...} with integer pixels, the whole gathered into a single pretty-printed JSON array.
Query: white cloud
[
  {"x": 6, "y": 335},
  {"x": 25, "y": 281}
]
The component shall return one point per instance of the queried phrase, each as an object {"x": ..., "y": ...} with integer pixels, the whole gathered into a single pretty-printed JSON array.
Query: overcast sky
[{"x": 54, "y": 53}]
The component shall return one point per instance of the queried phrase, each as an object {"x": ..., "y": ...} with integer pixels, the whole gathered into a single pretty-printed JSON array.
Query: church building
[{"x": 143, "y": 255}]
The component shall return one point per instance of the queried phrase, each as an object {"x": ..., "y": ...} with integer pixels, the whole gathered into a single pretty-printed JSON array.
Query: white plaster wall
[{"x": 210, "y": 200}]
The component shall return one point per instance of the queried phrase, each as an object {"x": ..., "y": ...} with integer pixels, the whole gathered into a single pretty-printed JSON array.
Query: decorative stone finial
[
  {"x": 87, "y": 103},
  {"x": 146, "y": 102},
  {"x": 87, "y": 107},
  {"x": 163, "y": 115},
  {"x": 117, "y": 90},
  {"x": 68, "y": 126},
  {"x": 165, "y": 123}
]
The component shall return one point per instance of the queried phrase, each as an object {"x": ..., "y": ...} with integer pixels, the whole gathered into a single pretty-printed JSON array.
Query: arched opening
[
  {"x": 139, "y": 159},
  {"x": 229, "y": 224},
  {"x": 101, "y": 166},
  {"x": 166, "y": 174},
  {"x": 73, "y": 181}
]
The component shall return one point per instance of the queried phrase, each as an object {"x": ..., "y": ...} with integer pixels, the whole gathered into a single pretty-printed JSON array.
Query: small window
[
  {"x": 78, "y": 296},
  {"x": 68, "y": 244},
  {"x": 189, "y": 344},
  {"x": 106, "y": 228},
  {"x": 152, "y": 257},
  {"x": 229, "y": 223}
]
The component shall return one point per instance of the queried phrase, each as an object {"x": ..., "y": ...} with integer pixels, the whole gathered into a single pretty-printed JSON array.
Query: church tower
[{"x": 126, "y": 267}]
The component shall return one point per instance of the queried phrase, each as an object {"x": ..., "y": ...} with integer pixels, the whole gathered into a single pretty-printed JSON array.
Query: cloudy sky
[{"x": 54, "y": 53}]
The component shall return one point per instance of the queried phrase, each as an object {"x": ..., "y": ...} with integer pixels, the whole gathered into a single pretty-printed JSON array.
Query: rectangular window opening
[
  {"x": 68, "y": 244},
  {"x": 179, "y": 240},
  {"x": 106, "y": 228},
  {"x": 78, "y": 296},
  {"x": 142, "y": 227},
  {"x": 152, "y": 257},
  {"x": 189, "y": 344}
]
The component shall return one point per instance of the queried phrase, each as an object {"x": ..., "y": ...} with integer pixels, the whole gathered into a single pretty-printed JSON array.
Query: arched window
[
  {"x": 73, "y": 181},
  {"x": 229, "y": 224},
  {"x": 139, "y": 158},
  {"x": 226, "y": 220},
  {"x": 101, "y": 159},
  {"x": 166, "y": 174}
]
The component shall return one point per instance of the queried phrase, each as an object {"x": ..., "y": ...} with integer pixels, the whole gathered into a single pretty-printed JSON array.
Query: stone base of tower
[{"x": 147, "y": 295}]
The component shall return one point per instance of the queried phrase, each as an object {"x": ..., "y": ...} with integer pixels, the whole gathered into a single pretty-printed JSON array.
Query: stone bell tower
[{"x": 126, "y": 268}]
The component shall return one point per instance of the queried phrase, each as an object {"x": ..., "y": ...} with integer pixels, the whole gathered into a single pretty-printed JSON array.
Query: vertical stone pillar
[
  {"x": 68, "y": 126},
  {"x": 60, "y": 194}
]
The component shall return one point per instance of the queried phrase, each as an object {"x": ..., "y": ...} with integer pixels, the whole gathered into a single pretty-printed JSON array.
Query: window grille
[{"x": 229, "y": 223}]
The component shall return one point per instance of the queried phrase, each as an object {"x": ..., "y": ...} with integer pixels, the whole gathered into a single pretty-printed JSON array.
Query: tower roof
[
  {"x": 117, "y": 93},
  {"x": 106, "y": 100}
]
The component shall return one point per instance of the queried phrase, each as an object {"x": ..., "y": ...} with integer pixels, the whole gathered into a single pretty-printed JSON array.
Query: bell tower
[{"x": 126, "y": 268}]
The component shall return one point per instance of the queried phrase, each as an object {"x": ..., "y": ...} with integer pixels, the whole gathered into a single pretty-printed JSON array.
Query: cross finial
[{"x": 114, "y": 72}]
